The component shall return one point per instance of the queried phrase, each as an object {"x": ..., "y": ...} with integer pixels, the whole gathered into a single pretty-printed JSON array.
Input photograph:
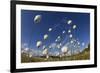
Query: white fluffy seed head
[
  {"x": 69, "y": 21},
  {"x": 45, "y": 52},
  {"x": 37, "y": 18},
  {"x": 64, "y": 49},
  {"x": 45, "y": 36},
  {"x": 69, "y": 31},
  {"x": 50, "y": 29},
  {"x": 74, "y": 26},
  {"x": 39, "y": 43},
  {"x": 70, "y": 35}
]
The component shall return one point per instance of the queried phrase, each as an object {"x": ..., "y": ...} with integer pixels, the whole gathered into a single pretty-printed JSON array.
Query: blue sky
[{"x": 32, "y": 32}]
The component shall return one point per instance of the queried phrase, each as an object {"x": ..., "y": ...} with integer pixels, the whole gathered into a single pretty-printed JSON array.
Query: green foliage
[{"x": 84, "y": 55}]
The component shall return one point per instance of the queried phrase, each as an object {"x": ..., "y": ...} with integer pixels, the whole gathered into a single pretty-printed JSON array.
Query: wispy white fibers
[
  {"x": 58, "y": 39},
  {"x": 53, "y": 45}
]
